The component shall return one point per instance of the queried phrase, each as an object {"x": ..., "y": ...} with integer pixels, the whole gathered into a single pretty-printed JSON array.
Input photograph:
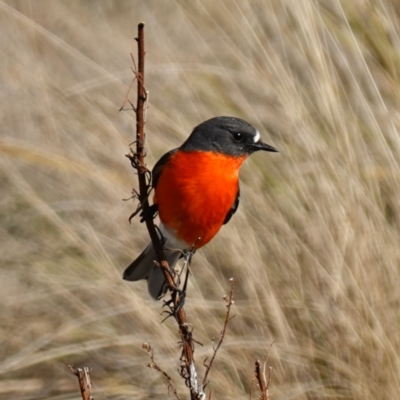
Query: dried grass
[{"x": 314, "y": 248}]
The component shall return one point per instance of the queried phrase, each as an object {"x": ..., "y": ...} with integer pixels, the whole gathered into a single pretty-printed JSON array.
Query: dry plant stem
[
  {"x": 262, "y": 383},
  {"x": 269, "y": 379},
  {"x": 186, "y": 337},
  {"x": 140, "y": 154},
  {"x": 140, "y": 139},
  {"x": 155, "y": 366},
  {"x": 85, "y": 384},
  {"x": 229, "y": 301}
]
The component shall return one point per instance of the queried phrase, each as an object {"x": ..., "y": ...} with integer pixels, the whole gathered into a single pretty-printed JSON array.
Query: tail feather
[
  {"x": 139, "y": 268},
  {"x": 144, "y": 268}
]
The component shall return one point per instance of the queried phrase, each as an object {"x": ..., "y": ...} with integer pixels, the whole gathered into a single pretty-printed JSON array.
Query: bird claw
[
  {"x": 175, "y": 303},
  {"x": 149, "y": 214}
]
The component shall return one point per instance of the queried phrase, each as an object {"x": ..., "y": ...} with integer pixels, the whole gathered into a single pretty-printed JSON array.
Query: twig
[
  {"x": 230, "y": 302},
  {"x": 154, "y": 365},
  {"x": 263, "y": 383},
  {"x": 126, "y": 100},
  {"x": 269, "y": 380},
  {"x": 85, "y": 384},
  {"x": 137, "y": 159},
  {"x": 126, "y": 96},
  {"x": 188, "y": 371}
]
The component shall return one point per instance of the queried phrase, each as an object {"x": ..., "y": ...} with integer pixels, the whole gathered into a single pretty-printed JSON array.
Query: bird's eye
[{"x": 237, "y": 136}]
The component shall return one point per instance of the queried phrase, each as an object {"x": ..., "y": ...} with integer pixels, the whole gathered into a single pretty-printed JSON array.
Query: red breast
[{"x": 195, "y": 191}]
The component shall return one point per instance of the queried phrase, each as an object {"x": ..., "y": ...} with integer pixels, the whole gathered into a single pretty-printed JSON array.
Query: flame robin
[{"x": 196, "y": 191}]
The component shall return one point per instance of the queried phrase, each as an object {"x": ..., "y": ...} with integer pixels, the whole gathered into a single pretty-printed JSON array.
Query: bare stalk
[
  {"x": 263, "y": 382},
  {"x": 188, "y": 370},
  {"x": 154, "y": 365},
  {"x": 85, "y": 385},
  {"x": 230, "y": 302}
]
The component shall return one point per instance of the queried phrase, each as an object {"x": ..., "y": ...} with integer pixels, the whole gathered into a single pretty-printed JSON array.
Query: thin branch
[
  {"x": 85, "y": 385},
  {"x": 230, "y": 302},
  {"x": 188, "y": 371},
  {"x": 154, "y": 365},
  {"x": 137, "y": 159},
  {"x": 126, "y": 96},
  {"x": 263, "y": 382},
  {"x": 269, "y": 380}
]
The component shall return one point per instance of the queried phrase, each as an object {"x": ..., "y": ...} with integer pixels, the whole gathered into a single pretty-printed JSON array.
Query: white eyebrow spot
[{"x": 256, "y": 137}]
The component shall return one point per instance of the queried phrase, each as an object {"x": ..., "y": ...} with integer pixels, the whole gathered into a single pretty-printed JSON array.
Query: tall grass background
[{"x": 314, "y": 248}]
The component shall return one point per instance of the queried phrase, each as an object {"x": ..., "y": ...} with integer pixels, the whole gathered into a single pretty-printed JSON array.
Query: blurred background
[{"x": 314, "y": 248}]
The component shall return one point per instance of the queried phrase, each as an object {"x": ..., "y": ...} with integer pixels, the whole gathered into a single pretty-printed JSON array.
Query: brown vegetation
[{"x": 314, "y": 247}]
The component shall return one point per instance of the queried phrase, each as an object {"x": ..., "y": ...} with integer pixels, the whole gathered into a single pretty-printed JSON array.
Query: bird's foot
[
  {"x": 175, "y": 303},
  {"x": 149, "y": 214}
]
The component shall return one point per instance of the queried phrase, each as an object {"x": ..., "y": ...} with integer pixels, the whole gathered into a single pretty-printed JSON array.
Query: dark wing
[
  {"x": 234, "y": 207},
  {"x": 156, "y": 173}
]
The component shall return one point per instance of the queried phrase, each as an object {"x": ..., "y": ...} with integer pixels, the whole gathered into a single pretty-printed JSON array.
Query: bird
[{"x": 196, "y": 192}]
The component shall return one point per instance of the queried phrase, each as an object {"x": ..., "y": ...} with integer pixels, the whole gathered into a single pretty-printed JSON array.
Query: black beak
[{"x": 260, "y": 145}]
